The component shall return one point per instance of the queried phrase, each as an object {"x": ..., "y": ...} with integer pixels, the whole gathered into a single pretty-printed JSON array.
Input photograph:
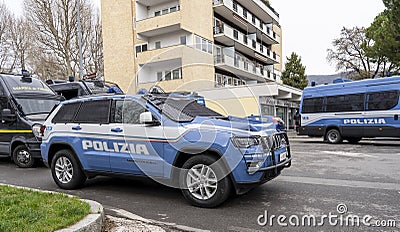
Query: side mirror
[
  {"x": 147, "y": 119},
  {"x": 8, "y": 116}
]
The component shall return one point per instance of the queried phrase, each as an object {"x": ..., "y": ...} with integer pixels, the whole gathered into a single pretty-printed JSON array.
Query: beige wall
[
  {"x": 239, "y": 107},
  {"x": 198, "y": 17},
  {"x": 117, "y": 21}
]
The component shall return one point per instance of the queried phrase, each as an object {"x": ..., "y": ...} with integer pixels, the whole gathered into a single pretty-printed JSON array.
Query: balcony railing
[
  {"x": 222, "y": 28},
  {"x": 243, "y": 64},
  {"x": 250, "y": 18}
]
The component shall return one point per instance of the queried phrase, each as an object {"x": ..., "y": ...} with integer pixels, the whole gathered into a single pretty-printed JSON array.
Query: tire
[
  {"x": 333, "y": 136},
  {"x": 66, "y": 171},
  {"x": 354, "y": 140},
  {"x": 22, "y": 157},
  {"x": 217, "y": 191}
]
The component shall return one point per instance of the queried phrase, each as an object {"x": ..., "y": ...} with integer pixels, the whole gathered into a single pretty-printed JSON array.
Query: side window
[
  {"x": 383, "y": 100},
  {"x": 313, "y": 105},
  {"x": 128, "y": 111},
  {"x": 96, "y": 112},
  {"x": 345, "y": 103},
  {"x": 66, "y": 113}
]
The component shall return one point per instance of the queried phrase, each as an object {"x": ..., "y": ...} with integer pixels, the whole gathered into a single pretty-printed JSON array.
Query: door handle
[
  {"x": 117, "y": 130},
  {"x": 396, "y": 117},
  {"x": 76, "y": 128}
]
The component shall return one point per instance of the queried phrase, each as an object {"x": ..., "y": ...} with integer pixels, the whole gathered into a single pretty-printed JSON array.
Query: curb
[{"x": 92, "y": 222}]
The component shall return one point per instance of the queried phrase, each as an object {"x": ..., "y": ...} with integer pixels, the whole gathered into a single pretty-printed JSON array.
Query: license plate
[{"x": 282, "y": 156}]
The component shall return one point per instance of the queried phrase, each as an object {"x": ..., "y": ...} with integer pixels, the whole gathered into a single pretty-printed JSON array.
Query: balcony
[
  {"x": 159, "y": 25},
  {"x": 243, "y": 68},
  {"x": 246, "y": 20},
  {"x": 243, "y": 43}
]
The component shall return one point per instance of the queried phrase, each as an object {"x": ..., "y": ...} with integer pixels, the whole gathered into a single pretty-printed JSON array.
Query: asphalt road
[{"x": 364, "y": 177}]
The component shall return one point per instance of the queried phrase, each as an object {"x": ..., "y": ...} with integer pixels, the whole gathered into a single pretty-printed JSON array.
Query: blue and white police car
[{"x": 175, "y": 141}]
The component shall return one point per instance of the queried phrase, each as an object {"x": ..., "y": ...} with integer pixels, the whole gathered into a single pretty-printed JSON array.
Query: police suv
[{"x": 175, "y": 141}]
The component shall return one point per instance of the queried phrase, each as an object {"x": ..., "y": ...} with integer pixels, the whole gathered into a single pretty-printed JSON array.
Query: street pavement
[{"x": 362, "y": 179}]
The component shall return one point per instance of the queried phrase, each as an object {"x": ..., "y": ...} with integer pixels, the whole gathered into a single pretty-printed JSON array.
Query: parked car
[
  {"x": 173, "y": 140},
  {"x": 24, "y": 101},
  {"x": 72, "y": 89}
]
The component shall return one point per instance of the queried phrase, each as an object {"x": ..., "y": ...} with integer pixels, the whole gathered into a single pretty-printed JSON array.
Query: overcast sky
[{"x": 309, "y": 26}]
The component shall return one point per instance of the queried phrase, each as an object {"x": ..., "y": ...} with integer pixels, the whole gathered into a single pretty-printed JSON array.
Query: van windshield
[{"x": 33, "y": 106}]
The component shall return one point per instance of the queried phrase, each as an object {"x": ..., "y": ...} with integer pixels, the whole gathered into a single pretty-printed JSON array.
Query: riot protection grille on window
[
  {"x": 94, "y": 112},
  {"x": 66, "y": 113},
  {"x": 383, "y": 100},
  {"x": 313, "y": 105},
  {"x": 345, "y": 103}
]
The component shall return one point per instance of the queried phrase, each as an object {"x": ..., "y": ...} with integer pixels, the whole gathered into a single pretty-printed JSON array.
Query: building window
[
  {"x": 177, "y": 74},
  {"x": 245, "y": 39},
  {"x": 183, "y": 40},
  {"x": 158, "y": 44},
  {"x": 168, "y": 76},
  {"x": 235, "y": 6},
  {"x": 157, "y": 13},
  {"x": 235, "y": 34},
  {"x": 244, "y": 13},
  {"x": 159, "y": 76},
  {"x": 173, "y": 9},
  {"x": 198, "y": 43},
  {"x": 204, "y": 45},
  {"x": 254, "y": 19},
  {"x": 165, "y": 11},
  {"x": 140, "y": 48}
]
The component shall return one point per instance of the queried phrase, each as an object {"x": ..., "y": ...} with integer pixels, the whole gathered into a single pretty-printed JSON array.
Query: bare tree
[
  {"x": 5, "y": 54},
  {"x": 20, "y": 38},
  {"x": 349, "y": 54}
]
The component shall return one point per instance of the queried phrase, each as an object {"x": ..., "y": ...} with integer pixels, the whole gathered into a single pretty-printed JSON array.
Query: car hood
[{"x": 236, "y": 125}]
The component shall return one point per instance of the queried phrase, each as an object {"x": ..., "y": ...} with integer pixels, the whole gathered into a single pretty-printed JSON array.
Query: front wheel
[
  {"x": 333, "y": 136},
  {"x": 66, "y": 171},
  {"x": 22, "y": 157},
  {"x": 204, "y": 182}
]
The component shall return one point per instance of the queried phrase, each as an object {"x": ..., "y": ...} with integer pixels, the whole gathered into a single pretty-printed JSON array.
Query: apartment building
[{"x": 229, "y": 51}]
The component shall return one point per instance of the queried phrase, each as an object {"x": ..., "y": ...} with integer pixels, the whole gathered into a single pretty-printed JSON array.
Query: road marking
[
  {"x": 135, "y": 217},
  {"x": 348, "y": 154},
  {"x": 341, "y": 183}
]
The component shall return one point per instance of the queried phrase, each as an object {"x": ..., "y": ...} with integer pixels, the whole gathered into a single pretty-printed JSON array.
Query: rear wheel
[
  {"x": 199, "y": 182},
  {"x": 333, "y": 136},
  {"x": 22, "y": 157},
  {"x": 66, "y": 171}
]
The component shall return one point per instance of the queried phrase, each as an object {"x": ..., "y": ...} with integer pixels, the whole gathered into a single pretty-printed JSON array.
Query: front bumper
[{"x": 273, "y": 166}]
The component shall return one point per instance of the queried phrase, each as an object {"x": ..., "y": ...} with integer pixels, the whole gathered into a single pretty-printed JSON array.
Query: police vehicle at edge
[
  {"x": 24, "y": 101},
  {"x": 352, "y": 110},
  {"x": 176, "y": 141}
]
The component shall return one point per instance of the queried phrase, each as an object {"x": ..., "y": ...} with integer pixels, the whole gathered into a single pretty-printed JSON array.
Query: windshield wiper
[{"x": 37, "y": 113}]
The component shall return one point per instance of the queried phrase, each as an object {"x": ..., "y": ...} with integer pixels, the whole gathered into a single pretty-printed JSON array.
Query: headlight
[
  {"x": 38, "y": 130},
  {"x": 246, "y": 142}
]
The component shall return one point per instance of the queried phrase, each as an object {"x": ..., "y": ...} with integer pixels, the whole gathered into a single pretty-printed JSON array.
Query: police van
[
  {"x": 352, "y": 110},
  {"x": 24, "y": 101},
  {"x": 175, "y": 141}
]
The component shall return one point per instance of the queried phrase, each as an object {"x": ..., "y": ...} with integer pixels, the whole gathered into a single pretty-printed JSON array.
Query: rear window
[
  {"x": 96, "y": 112},
  {"x": 66, "y": 113}
]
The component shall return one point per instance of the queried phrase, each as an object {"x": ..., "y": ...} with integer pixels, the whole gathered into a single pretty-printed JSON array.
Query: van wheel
[
  {"x": 22, "y": 157},
  {"x": 333, "y": 136},
  {"x": 199, "y": 182},
  {"x": 66, "y": 171}
]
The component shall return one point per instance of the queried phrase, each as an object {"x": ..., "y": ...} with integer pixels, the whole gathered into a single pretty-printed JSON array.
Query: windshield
[
  {"x": 180, "y": 109},
  {"x": 31, "y": 106}
]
